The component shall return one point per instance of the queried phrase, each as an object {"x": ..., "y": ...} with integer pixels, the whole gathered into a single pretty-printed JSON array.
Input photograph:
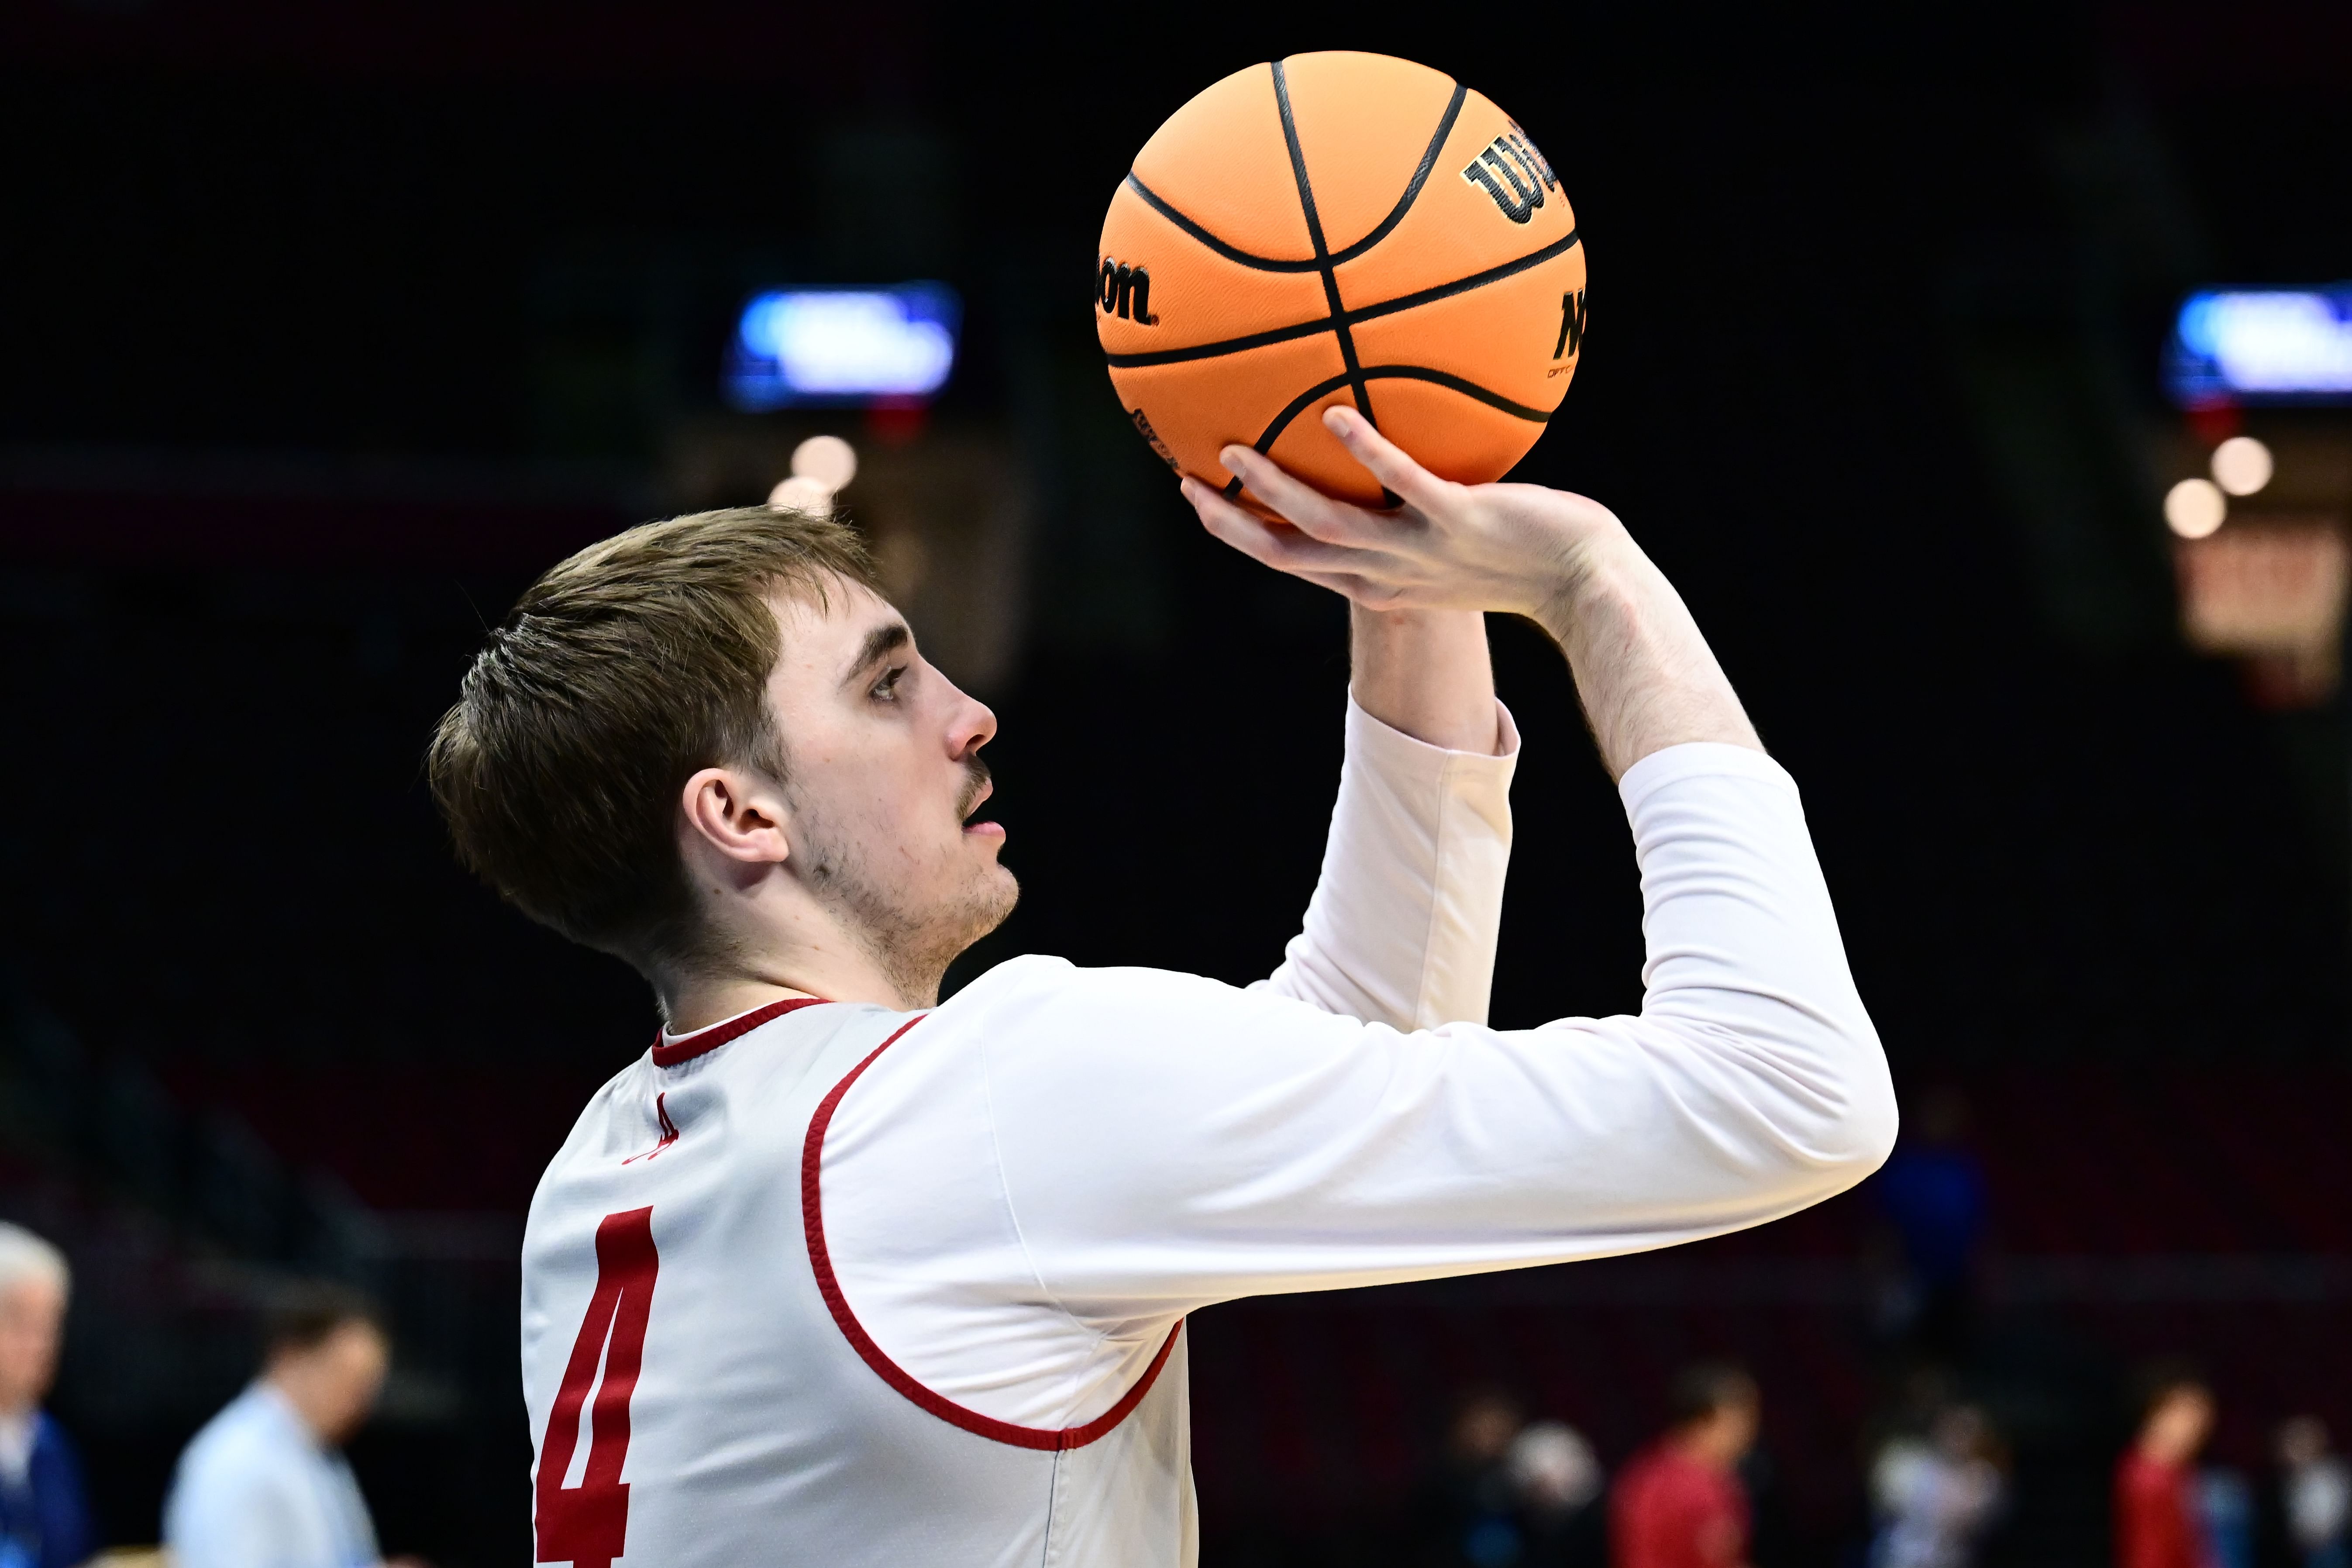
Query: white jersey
[{"x": 829, "y": 1284}]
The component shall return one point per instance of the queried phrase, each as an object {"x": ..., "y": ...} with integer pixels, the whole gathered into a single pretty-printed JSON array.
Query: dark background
[{"x": 322, "y": 332}]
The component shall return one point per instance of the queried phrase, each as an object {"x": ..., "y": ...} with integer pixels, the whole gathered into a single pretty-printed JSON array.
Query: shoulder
[
  {"x": 53, "y": 1450},
  {"x": 1638, "y": 1479},
  {"x": 1037, "y": 979},
  {"x": 48, "y": 1437},
  {"x": 2139, "y": 1478},
  {"x": 1045, "y": 1002},
  {"x": 1661, "y": 1473},
  {"x": 1116, "y": 1033},
  {"x": 1124, "y": 1079},
  {"x": 245, "y": 1448}
]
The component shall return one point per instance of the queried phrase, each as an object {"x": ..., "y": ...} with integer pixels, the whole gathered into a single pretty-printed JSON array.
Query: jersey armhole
[{"x": 828, "y": 1285}]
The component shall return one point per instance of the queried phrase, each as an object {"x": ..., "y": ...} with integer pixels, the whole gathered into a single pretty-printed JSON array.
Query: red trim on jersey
[
  {"x": 668, "y": 1053},
  {"x": 890, "y": 1372}
]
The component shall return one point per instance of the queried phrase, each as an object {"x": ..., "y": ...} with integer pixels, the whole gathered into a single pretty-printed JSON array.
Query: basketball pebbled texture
[{"x": 1340, "y": 228}]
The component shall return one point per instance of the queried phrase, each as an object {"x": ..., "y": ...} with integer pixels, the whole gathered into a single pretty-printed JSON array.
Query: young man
[
  {"x": 2157, "y": 1523},
  {"x": 264, "y": 1482},
  {"x": 837, "y": 1276},
  {"x": 1679, "y": 1503}
]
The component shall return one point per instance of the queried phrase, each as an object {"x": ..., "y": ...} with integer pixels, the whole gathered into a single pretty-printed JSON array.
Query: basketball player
[{"x": 839, "y": 1275}]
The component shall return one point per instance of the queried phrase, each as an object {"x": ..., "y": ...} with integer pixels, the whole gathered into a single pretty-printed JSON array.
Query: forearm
[
  {"x": 1405, "y": 916},
  {"x": 1402, "y": 926},
  {"x": 1426, "y": 674},
  {"x": 1643, "y": 672}
]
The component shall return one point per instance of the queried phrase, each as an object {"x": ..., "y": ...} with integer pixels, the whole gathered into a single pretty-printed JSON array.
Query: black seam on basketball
[
  {"x": 1233, "y": 489},
  {"x": 1167, "y": 209},
  {"x": 1363, "y": 313},
  {"x": 1420, "y": 178},
  {"x": 1565, "y": 243},
  {"x": 1356, "y": 386},
  {"x": 1228, "y": 346},
  {"x": 1299, "y": 404},
  {"x": 1447, "y": 379},
  {"x": 1234, "y": 253}
]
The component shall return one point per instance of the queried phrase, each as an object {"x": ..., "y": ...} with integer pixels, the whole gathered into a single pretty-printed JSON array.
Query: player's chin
[{"x": 993, "y": 900}]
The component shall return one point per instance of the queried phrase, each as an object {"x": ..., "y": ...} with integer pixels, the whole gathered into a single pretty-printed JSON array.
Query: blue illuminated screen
[
  {"x": 843, "y": 346},
  {"x": 2262, "y": 345}
]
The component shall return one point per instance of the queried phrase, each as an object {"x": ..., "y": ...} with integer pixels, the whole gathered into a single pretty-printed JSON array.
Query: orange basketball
[{"x": 1331, "y": 227}]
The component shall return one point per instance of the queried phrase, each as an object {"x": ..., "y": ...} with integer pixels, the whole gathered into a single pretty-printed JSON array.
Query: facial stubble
[{"x": 911, "y": 941}]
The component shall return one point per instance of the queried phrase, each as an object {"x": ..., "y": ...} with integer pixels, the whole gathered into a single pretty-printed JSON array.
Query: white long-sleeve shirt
[{"x": 988, "y": 1220}]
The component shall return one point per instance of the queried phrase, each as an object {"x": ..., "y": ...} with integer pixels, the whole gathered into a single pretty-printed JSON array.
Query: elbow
[
  {"x": 1816, "y": 1112},
  {"x": 1860, "y": 1134},
  {"x": 1834, "y": 1115}
]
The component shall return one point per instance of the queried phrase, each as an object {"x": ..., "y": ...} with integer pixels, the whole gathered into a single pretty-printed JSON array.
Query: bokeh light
[
  {"x": 2195, "y": 507},
  {"x": 829, "y": 460},
  {"x": 2241, "y": 465},
  {"x": 801, "y": 493}
]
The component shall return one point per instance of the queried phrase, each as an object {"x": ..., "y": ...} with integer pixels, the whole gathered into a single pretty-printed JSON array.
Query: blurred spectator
[
  {"x": 44, "y": 1517},
  {"x": 1936, "y": 1495},
  {"x": 2314, "y": 1495},
  {"x": 2158, "y": 1522},
  {"x": 263, "y": 1485},
  {"x": 1472, "y": 1516},
  {"x": 2225, "y": 1504},
  {"x": 1933, "y": 1190},
  {"x": 1557, "y": 1480},
  {"x": 1679, "y": 1503}
]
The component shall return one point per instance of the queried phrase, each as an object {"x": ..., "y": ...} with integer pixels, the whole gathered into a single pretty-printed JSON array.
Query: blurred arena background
[{"x": 322, "y": 329}]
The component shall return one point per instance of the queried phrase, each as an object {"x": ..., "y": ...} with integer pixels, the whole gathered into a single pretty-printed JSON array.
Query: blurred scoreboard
[
  {"x": 842, "y": 347},
  {"x": 2262, "y": 346}
]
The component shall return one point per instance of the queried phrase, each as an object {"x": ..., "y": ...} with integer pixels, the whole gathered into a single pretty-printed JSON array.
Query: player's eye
[{"x": 887, "y": 688}]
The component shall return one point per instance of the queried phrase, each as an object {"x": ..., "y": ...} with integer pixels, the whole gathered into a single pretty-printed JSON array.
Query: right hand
[
  {"x": 1520, "y": 549},
  {"x": 1646, "y": 677}
]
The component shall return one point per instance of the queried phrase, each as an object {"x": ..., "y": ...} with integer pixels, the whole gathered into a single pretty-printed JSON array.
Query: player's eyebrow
[{"x": 887, "y": 638}]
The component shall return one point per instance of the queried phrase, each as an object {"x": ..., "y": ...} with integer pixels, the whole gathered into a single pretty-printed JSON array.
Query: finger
[
  {"x": 1300, "y": 503},
  {"x": 1381, "y": 458},
  {"x": 1283, "y": 549}
]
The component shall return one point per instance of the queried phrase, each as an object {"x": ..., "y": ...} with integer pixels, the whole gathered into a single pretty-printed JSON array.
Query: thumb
[{"x": 1381, "y": 458}]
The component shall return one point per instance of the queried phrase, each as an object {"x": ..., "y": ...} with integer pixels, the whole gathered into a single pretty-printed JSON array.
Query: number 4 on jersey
[{"x": 588, "y": 1525}]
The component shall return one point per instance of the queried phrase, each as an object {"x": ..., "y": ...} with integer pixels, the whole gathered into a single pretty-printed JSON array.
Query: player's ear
[{"x": 739, "y": 813}]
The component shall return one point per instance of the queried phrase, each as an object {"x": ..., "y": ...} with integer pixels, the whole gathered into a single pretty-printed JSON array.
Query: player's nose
[{"x": 971, "y": 724}]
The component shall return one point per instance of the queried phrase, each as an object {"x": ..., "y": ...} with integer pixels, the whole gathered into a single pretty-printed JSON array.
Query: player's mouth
[{"x": 981, "y": 789}]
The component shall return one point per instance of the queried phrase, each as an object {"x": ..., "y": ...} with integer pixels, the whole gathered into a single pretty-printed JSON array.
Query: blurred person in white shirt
[
  {"x": 1557, "y": 1478},
  {"x": 2316, "y": 1493},
  {"x": 1936, "y": 1496},
  {"x": 265, "y": 1484}
]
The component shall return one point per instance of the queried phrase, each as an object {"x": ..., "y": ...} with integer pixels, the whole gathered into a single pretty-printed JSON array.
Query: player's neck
[
  {"x": 700, "y": 999},
  {"x": 773, "y": 941}
]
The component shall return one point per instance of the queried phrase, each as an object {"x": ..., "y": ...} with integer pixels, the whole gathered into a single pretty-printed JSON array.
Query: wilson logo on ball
[
  {"x": 1513, "y": 157},
  {"x": 1571, "y": 325},
  {"x": 1125, "y": 291}
]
